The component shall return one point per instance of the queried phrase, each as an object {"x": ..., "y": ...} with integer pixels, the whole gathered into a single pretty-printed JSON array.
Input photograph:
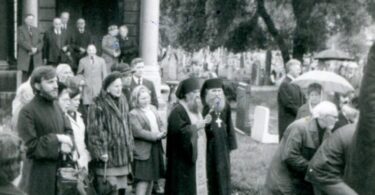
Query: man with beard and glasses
[
  {"x": 221, "y": 138},
  {"x": 44, "y": 129},
  {"x": 186, "y": 143}
]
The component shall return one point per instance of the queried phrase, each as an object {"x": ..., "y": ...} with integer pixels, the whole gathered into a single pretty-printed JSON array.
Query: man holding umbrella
[{"x": 289, "y": 97}]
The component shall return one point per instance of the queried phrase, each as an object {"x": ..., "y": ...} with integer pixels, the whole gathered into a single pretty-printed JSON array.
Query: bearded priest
[
  {"x": 221, "y": 138},
  {"x": 186, "y": 143}
]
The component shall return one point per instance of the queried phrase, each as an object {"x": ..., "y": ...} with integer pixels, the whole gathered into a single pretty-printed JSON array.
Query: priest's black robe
[
  {"x": 39, "y": 122},
  {"x": 360, "y": 168},
  {"x": 221, "y": 139},
  {"x": 181, "y": 153}
]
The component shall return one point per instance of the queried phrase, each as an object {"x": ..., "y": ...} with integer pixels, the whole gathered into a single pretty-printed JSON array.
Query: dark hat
[
  {"x": 186, "y": 86},
  {"x": 122, "y": 68},
  {"x": 110, "y": 78},
  {"x": 211, "y": 84}
]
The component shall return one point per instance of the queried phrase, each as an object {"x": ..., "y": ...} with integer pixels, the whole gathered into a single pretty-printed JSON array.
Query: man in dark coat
[
  {"x": 360, "y": 174},
  {"x": 43, "y": 128},
  {"x": 289, "y": 97},
  {"x": 137, "y": 66},
  {"x": 80, "y": 39},
  {"x": 186, "y": 166},
  {"x": 65, "y": 27},
  {"x": 302, "y": 138},
  {"x": 56, "y": 45},
  {"x": 30, "y": 44},
  {"x": 128, "y": 47},
  {"x": 327, "y": 167},
  {"x": 221, "y": 137}
]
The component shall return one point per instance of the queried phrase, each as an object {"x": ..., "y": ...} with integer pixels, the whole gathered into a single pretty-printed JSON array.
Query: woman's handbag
[
  {"x": 103, "y": 186},
  {"x": 71, "y": 180},
  {"x": 67, "y": 180}
]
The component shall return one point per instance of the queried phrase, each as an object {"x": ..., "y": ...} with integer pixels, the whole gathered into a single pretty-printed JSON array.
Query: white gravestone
[{"x": 260, "y": 130}]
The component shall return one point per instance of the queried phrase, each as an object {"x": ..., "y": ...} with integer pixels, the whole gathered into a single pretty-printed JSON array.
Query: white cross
[{"x": 218, "y": 121}]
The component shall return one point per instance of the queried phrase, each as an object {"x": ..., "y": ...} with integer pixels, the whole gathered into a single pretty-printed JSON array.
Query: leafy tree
[{"x": 296, "y": 27}]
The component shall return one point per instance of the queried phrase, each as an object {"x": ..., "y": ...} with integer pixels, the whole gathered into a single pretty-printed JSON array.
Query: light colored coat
[
  {"x": 79, "y": 130},
  {"x": 94, "y": 75},
  {"x": 110, "y": 45}
]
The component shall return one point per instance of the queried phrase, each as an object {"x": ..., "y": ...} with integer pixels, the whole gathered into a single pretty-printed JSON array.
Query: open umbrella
[
  {"x": 333, "y": 54},
  {"x": 330, "y": 81}
]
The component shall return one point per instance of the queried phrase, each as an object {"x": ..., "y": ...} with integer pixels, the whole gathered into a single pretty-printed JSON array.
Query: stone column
[
  {"x": 149, "y": 40},
  {"x": 31, "y": 7}
]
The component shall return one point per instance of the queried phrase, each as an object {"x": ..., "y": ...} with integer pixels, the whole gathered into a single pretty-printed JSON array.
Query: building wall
[
  {"x": 132, "y": 17},
  {"x": 47, "y": 11}
]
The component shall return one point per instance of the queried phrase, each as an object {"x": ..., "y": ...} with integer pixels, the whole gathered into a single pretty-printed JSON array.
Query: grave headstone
[
  {"x": 243, "y": 106},
  {"x": 260, "y": 130}
]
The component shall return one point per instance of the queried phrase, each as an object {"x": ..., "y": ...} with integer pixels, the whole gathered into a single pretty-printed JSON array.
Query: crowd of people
[
  {"x": 100, "y": 115},
  {"x": 315, "y": 135},
  {"x": 121, "y": 138},
  {"x": 69, "y": 44}
]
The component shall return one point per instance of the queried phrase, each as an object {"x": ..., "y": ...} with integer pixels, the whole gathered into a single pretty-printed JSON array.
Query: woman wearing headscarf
[
  {"x": 110, "y": 141},
  {"x": 148, "y": 131}
]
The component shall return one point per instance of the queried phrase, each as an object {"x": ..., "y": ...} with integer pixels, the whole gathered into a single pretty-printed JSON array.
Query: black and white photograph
[{"x": 187, "y": 97}]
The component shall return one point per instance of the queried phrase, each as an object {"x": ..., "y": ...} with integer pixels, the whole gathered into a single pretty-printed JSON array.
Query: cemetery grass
[{"x": 249, "y": 163}]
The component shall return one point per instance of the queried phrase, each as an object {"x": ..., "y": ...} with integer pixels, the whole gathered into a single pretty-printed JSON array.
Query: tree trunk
[
  {"x": 261, "y": 9},
  {"x": 302, "y": 10}
]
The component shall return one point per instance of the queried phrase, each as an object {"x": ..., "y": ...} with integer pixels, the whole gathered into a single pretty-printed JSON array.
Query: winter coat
[
  {"x": 110, "y": 45},
  {"x": 25, "y": 43},
  {"x": 289, "y": 99},
  {"x": 327, "y": 167},
  {"x": 108, "y": 131},
  {"x": 289, "y": 164},
  {"x": 94, "y": 74}
]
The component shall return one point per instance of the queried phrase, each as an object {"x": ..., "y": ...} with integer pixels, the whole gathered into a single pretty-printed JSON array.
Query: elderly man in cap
[
  {"x": 301, "y": 140},
  {"x": 221, "y": 138},
  {"x": 289, "y": 97},
  {"x": 186, "y": 143}
]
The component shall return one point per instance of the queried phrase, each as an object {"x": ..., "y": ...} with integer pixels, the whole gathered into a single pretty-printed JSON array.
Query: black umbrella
[{"x": 333, "y": 54}]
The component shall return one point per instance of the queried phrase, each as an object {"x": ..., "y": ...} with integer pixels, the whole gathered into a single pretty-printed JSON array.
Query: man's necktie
[
  {"x": 30, "y": 32},
  {"x": 92, "y": 59}
]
